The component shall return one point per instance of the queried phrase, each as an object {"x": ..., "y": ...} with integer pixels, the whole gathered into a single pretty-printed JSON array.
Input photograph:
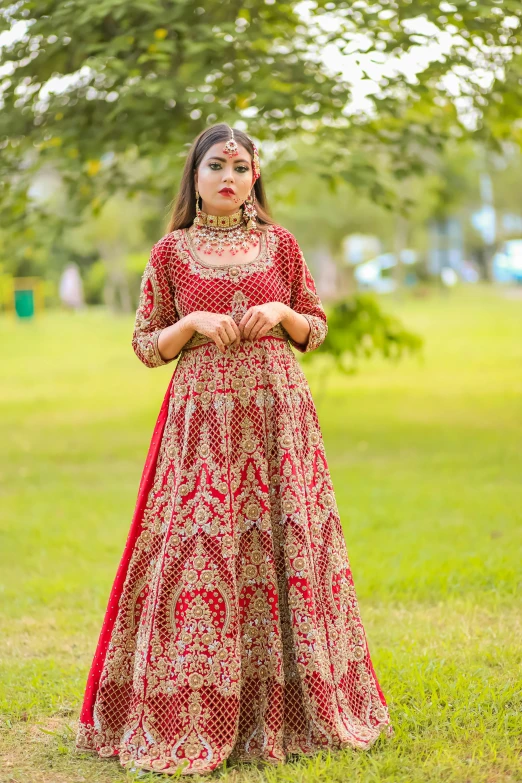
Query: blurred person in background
[
  {"x": 71, "y": 287},
  {"x": 233, "y": 628}
]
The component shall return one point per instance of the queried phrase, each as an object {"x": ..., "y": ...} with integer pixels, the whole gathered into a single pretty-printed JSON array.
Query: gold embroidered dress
[{"x": 233, "y": 628}]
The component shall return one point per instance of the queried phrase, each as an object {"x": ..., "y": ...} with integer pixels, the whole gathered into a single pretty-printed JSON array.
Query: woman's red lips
[{"x": 227, "y": 191}]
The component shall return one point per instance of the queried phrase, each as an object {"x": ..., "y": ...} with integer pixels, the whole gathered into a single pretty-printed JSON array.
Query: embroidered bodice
[{"x": 177, "y": 281}]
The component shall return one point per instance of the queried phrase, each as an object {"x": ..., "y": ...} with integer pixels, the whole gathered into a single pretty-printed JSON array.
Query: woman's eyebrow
[{"x": 241, "y": 160}]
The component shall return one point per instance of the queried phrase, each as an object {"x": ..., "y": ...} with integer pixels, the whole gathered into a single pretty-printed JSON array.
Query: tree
[{"x": 111, "y": 92}]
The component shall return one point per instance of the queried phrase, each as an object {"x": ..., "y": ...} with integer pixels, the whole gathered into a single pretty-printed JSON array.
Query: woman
[{"x": 233, "y": 629}]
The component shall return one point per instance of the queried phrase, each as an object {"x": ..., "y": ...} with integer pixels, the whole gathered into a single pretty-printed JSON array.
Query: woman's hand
[
  {"x": 259, "y": 319},
  {"x": 219, "y": 327}
]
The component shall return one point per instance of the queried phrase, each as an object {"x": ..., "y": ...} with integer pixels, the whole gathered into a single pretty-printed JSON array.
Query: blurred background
[{"x": 390, "y": 140}]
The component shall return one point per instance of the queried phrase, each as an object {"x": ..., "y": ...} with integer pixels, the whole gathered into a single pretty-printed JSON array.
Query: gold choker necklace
[
  {"x": 220, "y": 233},
  {"x": 221, "y": 221}
]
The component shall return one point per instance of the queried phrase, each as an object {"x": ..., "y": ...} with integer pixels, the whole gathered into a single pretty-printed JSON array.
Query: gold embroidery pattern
[
  {"x": 156, "y": 309},
  {"x": 305, "y": 300},
  {"x": 238, "y": 633}
]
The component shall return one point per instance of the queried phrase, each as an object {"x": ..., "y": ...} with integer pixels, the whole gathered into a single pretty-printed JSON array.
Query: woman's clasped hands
[{"x": 223, "y": 330}]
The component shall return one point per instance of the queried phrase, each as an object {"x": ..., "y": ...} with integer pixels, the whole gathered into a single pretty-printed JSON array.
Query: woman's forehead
[{"x": 216, "y": 151}]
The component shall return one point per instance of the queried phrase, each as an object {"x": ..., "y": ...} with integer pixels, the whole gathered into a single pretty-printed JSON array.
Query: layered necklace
[{"x": 220, "y": 233}]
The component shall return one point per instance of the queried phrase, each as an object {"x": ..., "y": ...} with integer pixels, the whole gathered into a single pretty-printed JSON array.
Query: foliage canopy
[{"x": 110, "y": 93}]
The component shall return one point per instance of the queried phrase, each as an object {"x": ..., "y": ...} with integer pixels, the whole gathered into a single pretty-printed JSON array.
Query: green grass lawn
[{"x": 426, "y": 460}]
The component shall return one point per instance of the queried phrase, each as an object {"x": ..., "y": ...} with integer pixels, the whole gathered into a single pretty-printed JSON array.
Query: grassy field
[{"x": 426, "y": 460}]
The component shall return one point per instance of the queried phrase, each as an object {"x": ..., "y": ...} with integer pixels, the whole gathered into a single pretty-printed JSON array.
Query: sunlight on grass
[{"x": 426, "y": 462}]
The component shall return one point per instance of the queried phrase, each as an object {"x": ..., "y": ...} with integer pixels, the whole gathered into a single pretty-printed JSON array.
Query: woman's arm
[
  {"x": 305, "y": 319},
  {"x": 172, "y": 338},
  {"x": 157, "y": 314}
]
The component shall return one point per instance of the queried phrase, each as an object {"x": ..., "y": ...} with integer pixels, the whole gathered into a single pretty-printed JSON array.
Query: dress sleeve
[
  {"x": 156, "y": 309},
  {"x": 304, "y": 299}
]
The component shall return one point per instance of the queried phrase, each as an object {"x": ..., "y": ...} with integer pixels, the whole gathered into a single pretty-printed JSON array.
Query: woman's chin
[{"x": 226, "y": 204}]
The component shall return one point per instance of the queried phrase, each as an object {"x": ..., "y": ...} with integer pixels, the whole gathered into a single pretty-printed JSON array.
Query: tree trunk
[
  {"x": 117, "y": 295},
  {"x": 400, "y": 241}
]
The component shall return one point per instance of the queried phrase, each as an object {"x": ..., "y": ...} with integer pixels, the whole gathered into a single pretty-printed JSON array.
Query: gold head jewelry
[
  {"x": 231, "y": 147},
  {"x": 255, "y": 161}
]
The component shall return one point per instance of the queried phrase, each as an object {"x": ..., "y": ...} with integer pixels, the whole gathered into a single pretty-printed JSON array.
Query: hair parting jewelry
[{"x": 231, "y": 147}]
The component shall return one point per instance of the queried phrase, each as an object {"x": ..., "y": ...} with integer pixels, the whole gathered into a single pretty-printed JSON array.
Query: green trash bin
[{"x": 24, "y": 303}]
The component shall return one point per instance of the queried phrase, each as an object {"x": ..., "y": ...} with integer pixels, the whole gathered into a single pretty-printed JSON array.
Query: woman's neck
[{"x": 220, "y": 211}]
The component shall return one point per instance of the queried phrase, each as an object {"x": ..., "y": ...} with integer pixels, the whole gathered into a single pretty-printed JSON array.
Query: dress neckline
[{"x": 194, "y": 255}]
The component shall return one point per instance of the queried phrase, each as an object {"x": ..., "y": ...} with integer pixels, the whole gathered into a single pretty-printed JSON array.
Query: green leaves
[
  {"x": 148, "y": 76},
  {"x": 358, "y": 328}
]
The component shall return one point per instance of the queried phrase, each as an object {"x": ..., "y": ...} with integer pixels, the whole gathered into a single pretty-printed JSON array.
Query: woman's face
[{"x": 224, "y": 183}]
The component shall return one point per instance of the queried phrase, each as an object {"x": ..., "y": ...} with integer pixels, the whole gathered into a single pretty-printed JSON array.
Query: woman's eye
[{"x": 240, "y": 169}]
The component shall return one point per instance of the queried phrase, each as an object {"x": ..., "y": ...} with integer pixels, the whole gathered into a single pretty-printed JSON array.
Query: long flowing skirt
[{"x": 233, "y": 627}]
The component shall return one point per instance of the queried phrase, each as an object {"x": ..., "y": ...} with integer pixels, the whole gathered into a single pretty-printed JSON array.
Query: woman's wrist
[
  {"x": 287, "y": 315},
  {"x": 295, "y": 324},
  {"x": 187, "y": 325},
  {"x": 172, "y": 338}
]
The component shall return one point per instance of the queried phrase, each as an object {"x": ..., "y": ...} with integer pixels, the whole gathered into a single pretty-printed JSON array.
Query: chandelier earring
[
  {"x": 250, "y": 212},
  {"x": 198, "y": 221}
]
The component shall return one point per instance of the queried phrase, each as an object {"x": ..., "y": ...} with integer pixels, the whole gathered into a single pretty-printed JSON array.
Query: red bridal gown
[{"x": 233, "y": 627}]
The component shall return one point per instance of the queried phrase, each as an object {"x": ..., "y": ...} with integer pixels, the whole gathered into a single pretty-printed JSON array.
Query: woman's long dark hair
[{"x": 184, "y": 210}]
